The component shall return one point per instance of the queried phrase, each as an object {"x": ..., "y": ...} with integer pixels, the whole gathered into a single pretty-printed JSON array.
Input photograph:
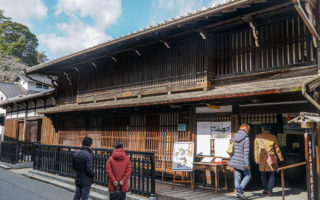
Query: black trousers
[{"x": 82, "y": 192}]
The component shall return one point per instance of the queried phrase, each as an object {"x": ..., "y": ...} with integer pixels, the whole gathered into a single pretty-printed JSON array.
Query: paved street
[{"x": 16, "y": 187}]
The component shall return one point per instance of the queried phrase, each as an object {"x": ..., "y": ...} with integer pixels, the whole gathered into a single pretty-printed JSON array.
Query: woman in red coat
[{"x": 118, "y": 169}]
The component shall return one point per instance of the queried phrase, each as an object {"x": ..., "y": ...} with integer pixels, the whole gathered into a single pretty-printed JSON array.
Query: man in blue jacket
[
  {"x": 240, "y": 160},
  {"x": 82, "y": 163}
]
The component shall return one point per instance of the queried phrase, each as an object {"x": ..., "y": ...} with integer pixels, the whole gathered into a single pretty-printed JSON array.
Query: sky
[{"x": 67, "y": 26}]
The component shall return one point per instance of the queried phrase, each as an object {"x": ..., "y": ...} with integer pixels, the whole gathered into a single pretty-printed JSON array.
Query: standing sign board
[{"x": 183, "y": 156}]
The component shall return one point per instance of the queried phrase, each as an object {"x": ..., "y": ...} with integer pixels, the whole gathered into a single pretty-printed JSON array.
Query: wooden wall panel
[
  {"x": 157, "y": 64},
  {"x": 282, "y": 44},
  {"x": 10, "y": 130},
  {"x": 48, "y": 134},
  {"x": 72, "y": 131}
]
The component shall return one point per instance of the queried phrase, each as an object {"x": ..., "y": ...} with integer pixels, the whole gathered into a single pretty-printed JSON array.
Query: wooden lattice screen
[{"x": 147, "y": 133}]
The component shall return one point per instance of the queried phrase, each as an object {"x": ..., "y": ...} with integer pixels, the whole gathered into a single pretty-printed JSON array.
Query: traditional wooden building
[
  {"x": 20, "y": 100},
  {"x": 243, "y": 61}
]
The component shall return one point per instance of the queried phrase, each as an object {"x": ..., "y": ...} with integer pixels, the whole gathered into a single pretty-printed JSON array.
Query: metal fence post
[
  {"x": 33, "y": 157},
  {"x": 32, "y": 152},
  {"x": 16, "y": 159},
  {"x": 153, "y": 178},
  {"x": 57, "y": 160},
  {"x": 0, "y": 150}
]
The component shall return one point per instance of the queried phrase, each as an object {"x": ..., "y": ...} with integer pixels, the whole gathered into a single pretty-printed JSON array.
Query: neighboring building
[
  {"x": 22, "y": 87},
  {"x": 34, "y": 82},
  {"x": 9, "y": 90}
]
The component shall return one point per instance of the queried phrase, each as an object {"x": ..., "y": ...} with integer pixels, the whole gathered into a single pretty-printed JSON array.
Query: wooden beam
[
  {"x": 94, "y": 64},
  {"x": 165, "y": 44},
  {"x": 68, "y": 78}
]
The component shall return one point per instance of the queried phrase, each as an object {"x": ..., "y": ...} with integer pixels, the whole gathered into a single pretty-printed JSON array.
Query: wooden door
[{"x": 33, "y": 131}]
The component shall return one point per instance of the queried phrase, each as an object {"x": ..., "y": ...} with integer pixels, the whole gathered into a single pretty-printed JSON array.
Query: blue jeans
[
  {"x": 241, "y": 185},
  {"x": 267, "y": 184},
  {"x": 82, "y": 192}
]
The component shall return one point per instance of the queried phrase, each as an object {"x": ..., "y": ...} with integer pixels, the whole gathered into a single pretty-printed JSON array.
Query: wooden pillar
[
  {"x": 311, "y": 166},
  {"x": 193, "y": 132},
  {"x": 318, "y": 157},
  {"x": 193, "y": 123},
  {"x": 25, "y": 122},
  {"x": 235, "y": 118}
]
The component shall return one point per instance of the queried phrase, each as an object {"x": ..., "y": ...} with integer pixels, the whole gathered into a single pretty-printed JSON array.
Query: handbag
[
  {"x": 272, "y": 159},
  {"x": 230, "y": 148},
  {"x": 117, "y": 194}
]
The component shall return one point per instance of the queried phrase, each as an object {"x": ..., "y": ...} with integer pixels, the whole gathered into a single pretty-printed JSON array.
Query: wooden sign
[{"x": 182, "y": 127}]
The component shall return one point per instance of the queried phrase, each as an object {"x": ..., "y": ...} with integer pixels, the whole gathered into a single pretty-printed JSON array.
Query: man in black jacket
[{"x": 82, "y": 163}]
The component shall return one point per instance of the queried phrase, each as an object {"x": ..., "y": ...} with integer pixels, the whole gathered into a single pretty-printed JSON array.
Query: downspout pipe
[
  {"x": 307, "y": 96},
  {"x": 316, "y": 36},
  {"x": 306, "y": 20},
  {"x": 310, "y": 27}
]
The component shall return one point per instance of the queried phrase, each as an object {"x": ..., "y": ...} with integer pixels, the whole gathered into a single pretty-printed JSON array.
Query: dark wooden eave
[
  {"x": 228, "y": 92},
  {"x": 210, "y": 18}
]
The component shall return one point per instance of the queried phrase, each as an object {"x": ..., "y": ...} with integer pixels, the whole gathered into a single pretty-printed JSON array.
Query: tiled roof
[
  {"x": 12, "y": 90},
  {"x": 26, "y": 97},
  {"x": 37, "y": 77}
]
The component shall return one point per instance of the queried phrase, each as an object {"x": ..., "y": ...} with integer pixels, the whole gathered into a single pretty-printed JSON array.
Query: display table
[{"x": 208, "y": 167}]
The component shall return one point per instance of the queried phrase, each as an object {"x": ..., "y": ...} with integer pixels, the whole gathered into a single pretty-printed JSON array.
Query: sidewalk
[
  {"x": 163, "y": 190},
  {"x": 97, "y": 192}
]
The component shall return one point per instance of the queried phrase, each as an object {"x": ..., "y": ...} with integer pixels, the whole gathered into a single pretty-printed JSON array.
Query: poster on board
[
  {"x": 220, "y": 129},
  {"x": 203, "y": 138},
  {"x": 220, "y": 147},
  {"x": 183, "y": 156}
]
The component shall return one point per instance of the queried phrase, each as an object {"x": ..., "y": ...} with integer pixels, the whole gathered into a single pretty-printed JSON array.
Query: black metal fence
[
  {"x": 58, "y": 160},
  {"x": 16, "y": 152}
]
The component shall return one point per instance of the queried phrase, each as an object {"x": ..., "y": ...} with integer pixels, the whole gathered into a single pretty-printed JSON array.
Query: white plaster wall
[
  {"x": 24, "y": 84},
  {"x": 31, "y": 113},
  {"x": 21, "y": 114},
  {"x": 32, "y": 87},
  {"x": 2, "y": 111},
  {"x": 1, "y": 130}
]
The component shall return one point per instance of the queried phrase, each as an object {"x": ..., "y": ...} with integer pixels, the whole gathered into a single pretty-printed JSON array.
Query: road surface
[{"x": 17, "y": 187}]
